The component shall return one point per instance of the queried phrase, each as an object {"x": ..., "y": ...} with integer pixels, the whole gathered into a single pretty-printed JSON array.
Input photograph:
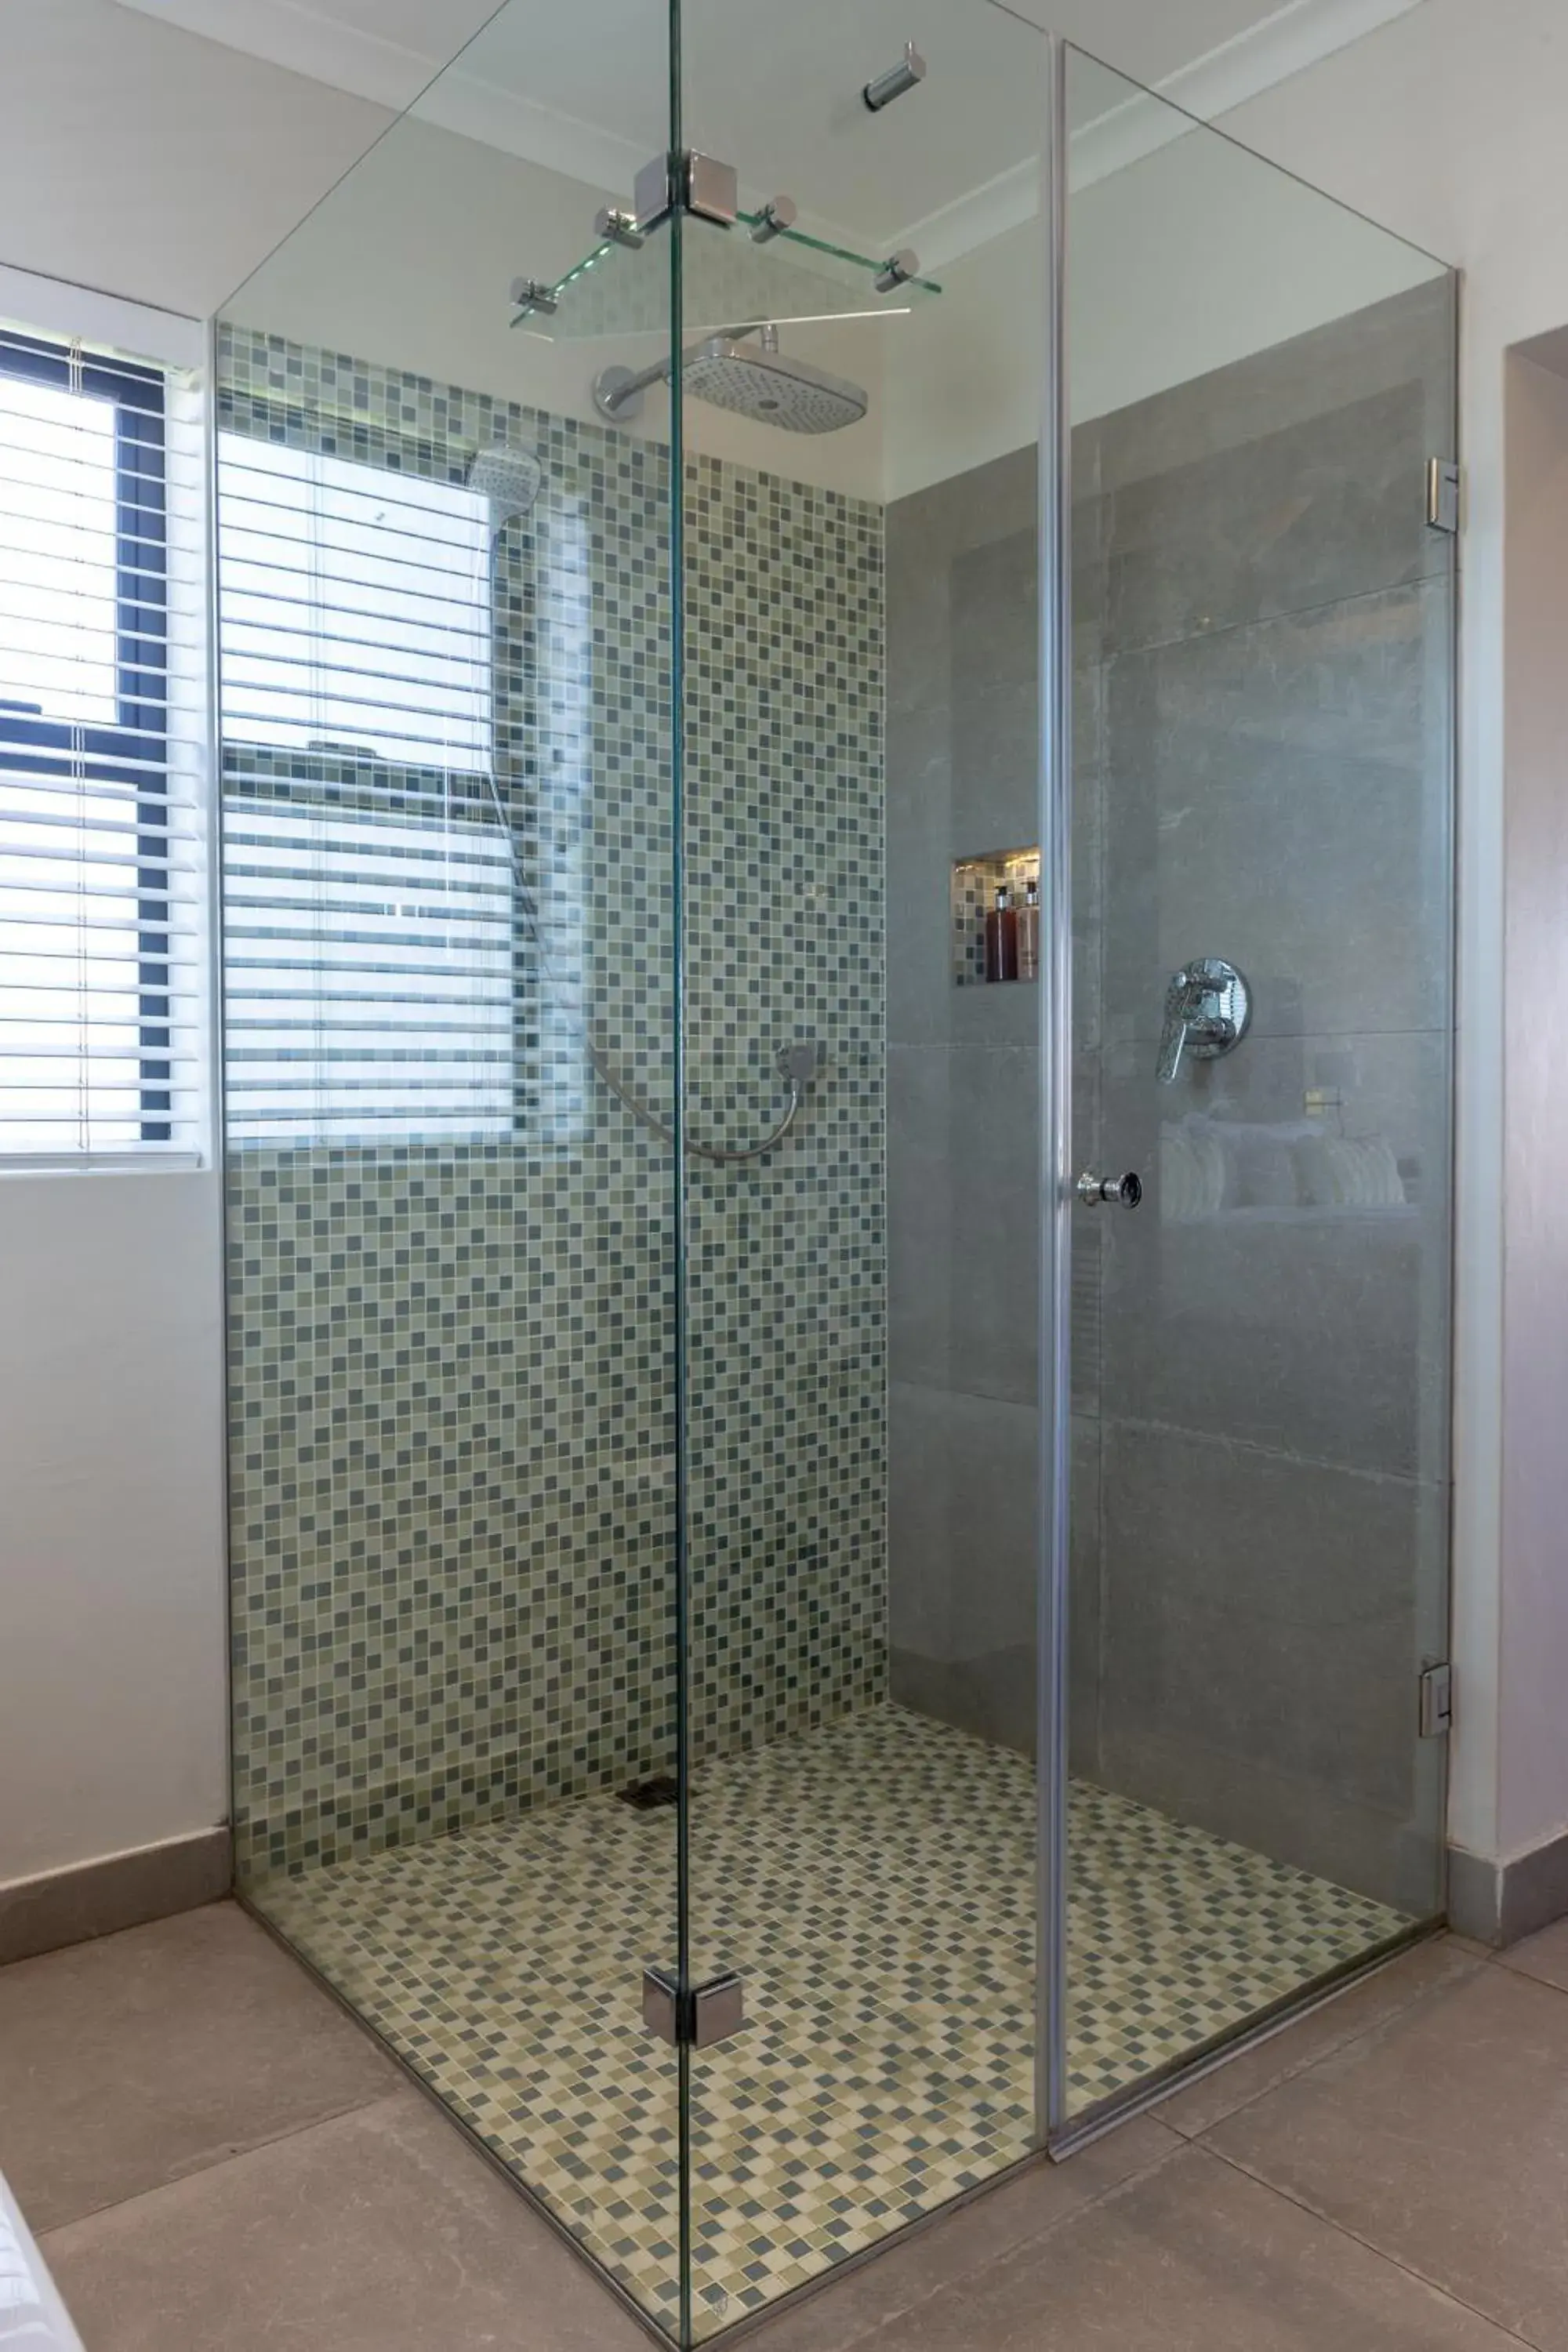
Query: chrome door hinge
[
  {"x": 697, "y": 183},
  {"x": 1436, "y": 1702},
  {"x": 700, "y": 2015},
  {"x": 1442, "y": 494}
]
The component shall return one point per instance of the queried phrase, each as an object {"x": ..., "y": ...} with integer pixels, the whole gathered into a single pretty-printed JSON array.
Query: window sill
[{"x": 149, "y": 1162}]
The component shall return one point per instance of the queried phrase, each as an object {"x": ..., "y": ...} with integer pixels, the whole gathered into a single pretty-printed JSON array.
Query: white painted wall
[
  {"x": 112, "y": 1640},
  {"x": 1532, "y": 1795},
  {"x": 113, "y": 1730}
]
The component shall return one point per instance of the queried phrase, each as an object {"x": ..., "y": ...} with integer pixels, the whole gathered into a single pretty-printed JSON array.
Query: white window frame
[{"x": 54, "y": 311}]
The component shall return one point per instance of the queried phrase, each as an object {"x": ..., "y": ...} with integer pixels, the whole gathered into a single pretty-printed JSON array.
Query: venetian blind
[
  {"x": 103, "y": 759},
  {"x": 368, "y": 890}
]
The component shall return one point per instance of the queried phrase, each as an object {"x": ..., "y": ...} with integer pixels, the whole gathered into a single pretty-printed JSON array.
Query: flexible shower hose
[{"x": 722, "y": 1154}]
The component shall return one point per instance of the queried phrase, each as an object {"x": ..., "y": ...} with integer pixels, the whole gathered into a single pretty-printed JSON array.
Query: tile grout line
[
  {"x": 1294, "y": 2074},
  {"x": 1180, "y": 2143},
  {"x": 1031, "y": 2238},
  {"x": 1382, "y": 2254},
  {"x": 1140, "y": 648},
  {"x": 397, "y": 2094},
  {"x": 1499, "y": 1960}
]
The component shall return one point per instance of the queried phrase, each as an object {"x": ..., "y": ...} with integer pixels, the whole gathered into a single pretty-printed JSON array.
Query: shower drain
[{"x": 662, "y": 1790}]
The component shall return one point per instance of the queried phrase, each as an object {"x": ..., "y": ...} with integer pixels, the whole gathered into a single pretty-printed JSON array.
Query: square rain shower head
[{"x": 763, "y": 383}]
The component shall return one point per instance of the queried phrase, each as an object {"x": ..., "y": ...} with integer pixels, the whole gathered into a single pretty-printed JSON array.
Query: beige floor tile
[
  {"x": 957, "y": 2245},
  {"x": 1377, "y": 1998},
  {"x": 1545, "y": 1956},
  {"x": 379, "y": 2232},
  {"x": 1193, "y": 2257},
  {"x": 130, "y": 2062},
  {"x": 1441, "y": 2137}
]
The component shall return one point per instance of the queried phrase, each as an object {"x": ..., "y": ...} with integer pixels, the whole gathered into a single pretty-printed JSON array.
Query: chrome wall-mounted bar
[
  {"x": 777, "y": 215},
  {"x": 908, "y": 74},
  {"x": 531, "y": 299},
  {"x": 897, "y": 270},
  {"x": 615, "y": 225}
]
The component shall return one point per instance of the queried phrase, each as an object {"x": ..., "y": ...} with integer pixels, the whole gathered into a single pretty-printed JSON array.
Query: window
[
  {"x": 100, "y": 866},
  {"x": 369, "y": 968},
  {"x": 356, "y": 608},
  {"x": 368, "y": 890}
]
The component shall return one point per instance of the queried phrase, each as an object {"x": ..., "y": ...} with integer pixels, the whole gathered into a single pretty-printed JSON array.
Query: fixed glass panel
[
  {"x": 861, "y": 1394},
  {"x": 446, "y": 644},
  {"x": 1262, "y": 898}
]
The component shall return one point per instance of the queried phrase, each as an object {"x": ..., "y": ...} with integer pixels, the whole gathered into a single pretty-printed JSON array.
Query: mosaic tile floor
[{"x": 874, "y": 1882}]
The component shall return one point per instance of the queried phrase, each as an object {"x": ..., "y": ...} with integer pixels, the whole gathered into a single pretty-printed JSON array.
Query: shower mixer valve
[{"x": 1208, "y": 1006}]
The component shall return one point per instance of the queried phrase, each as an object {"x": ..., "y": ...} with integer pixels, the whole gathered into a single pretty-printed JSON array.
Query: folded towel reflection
[{"x": 31, "y": 2312}]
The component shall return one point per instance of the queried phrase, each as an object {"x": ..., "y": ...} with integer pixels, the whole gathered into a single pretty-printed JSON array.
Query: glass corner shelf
[{"x": 619, "y": 290}]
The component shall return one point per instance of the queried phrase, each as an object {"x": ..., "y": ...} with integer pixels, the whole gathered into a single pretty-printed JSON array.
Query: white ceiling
[
  {"x": 1149, "y": 39},
  {"x": 773, "y": 88},
  {"x": 138, "y": 160},
  {"x": 164, "y": 167}
]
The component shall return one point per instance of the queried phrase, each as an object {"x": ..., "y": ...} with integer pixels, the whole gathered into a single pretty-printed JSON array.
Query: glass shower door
[{"x": 1262, "y": 898}]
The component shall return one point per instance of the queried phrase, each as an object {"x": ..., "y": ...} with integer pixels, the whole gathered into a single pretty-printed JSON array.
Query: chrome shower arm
[{"x": 616, "y": 388}]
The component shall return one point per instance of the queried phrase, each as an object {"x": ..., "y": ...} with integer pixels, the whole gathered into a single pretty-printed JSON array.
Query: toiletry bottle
[
  {"x": 1029, "y": 931},
  {"x": 1001, "y": 938}
]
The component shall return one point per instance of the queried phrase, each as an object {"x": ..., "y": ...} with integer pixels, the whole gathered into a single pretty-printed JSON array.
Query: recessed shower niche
[
  {"x": 640, "y": 1245},
  {"x": 1005, "y": 881}
]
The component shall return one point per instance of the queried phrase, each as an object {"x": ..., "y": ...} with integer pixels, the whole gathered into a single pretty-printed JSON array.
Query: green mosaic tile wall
[{"x": 451, "y": 1363}]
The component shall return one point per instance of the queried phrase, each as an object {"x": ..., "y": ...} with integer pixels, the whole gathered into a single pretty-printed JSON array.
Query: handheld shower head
[{"x": 511, "y": 478}]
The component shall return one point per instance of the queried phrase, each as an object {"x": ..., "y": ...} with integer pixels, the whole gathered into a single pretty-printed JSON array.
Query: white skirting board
[{"x": 31, "y": 2312}]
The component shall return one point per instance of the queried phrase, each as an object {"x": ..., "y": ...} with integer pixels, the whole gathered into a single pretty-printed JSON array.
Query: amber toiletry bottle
[
  {"x": 1001, "y": 938},
  {"x": 1029, "y": 931}
]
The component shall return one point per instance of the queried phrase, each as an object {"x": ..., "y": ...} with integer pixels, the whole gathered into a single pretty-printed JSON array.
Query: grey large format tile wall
[
  {"x": 452, "y": 1366},
  {"x": 1262, "y": 670},
  {"x": 963, "y": 1111}
]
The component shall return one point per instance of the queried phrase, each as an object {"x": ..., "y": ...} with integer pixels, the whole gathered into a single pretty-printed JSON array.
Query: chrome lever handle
[
  {"x": 1172, "y": 1045},
  {"x": 1125, "y": 1192}
]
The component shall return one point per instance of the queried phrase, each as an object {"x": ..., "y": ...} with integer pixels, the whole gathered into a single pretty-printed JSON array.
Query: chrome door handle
[{"x": 1126, "y": 1192}]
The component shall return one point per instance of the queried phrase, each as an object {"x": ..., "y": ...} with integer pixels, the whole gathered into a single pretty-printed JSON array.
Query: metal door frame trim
[{"x": 1055, "y": 834}]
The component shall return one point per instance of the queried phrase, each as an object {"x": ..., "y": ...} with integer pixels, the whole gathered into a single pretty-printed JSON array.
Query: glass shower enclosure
[{"x": 835, "y": 687}]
